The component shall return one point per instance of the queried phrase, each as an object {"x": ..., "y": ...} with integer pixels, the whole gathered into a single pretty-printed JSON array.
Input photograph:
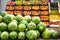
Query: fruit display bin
[
  {"x": 40, "y": 10},
  {"x": 54, "y": 14}
]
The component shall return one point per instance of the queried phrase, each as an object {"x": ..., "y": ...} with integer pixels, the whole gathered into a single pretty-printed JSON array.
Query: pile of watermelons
[{"x": 19, "y": 27}]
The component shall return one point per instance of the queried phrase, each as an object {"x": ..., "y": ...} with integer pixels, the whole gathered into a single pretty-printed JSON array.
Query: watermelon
[
  {"x": 0, "y": 34},
  {"x": 14, "y": 18},
  {"x": 23, "y": 22},
  {"x": 21, "y": 35},
  {"x": 26, "y": 30},
  {"x": 31, "y": 35},
  {"x": 54, "y": 34},
  {"x": 1, "y": 18},
  {"x": 15, "y": 21},
  {"x": 12, "y": 26},
  {"x": 27, "y": 18},
  {"x": 3, "y": 26},
  {"x": 19, "y": 17},
  {"x": 3, "y": 13},
  {"x": 8, "y": 18},
  {"x": 4, "y": 35},
  {"x": 21, "y": 27},
  {"x": 36, "y": 20},
  {"x": 46, "y": 34},
  {"x": 13, "y": 35},
  {"x": 41, "y": 27},
  {"x": 38, "y": 33},
  {"x": 31, "y": 26}
]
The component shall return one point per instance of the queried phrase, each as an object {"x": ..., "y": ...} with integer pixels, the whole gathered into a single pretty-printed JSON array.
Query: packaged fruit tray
[
  {"x": 54, "y": 9},
  {"x": 40, "y": 10}
]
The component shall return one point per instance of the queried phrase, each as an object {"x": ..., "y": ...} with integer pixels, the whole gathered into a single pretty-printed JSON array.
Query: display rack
[
  {"x": 44, "y": 11},
  {"x": 54, "y": 15},
  {"x": 31, "y": 10}
]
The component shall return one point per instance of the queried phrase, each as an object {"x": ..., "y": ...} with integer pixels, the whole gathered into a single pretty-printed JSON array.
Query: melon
[
  {"x": 19, "y": 17},
  {"x": 41, "y": 27},
  {"x": 4, "y": 35},
  {"x": 12, "y": 26},
  {"x": 8, "y": 18},
  {"x": 21, "y": 27},
  {"x": 13, "y": 35},
  {"x": 36, "y": 20},
  {"x": 27, "y": 18},
  {"x": 31, "y": 26},
  {"x": 3, "y": 26},
  {"x": 21, "y": 35}
]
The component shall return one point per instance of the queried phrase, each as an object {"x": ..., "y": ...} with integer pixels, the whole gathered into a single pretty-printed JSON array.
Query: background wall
[{"x": 3, "y": 4}]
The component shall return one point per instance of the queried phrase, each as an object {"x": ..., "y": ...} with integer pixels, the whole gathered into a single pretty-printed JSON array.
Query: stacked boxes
[{"x": 33, "y": 8}]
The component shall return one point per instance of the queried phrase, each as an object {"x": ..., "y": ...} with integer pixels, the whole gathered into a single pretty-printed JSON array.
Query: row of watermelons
[{"x": 23, "y": 27}]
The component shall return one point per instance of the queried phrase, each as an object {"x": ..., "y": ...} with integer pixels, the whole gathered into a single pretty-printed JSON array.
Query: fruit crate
[{"x": 54, "y": 15}]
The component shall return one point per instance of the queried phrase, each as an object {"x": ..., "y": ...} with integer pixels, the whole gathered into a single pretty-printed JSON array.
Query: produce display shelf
[
  {"x": 31, "y": 10},
  {"x": 54, "y": 13}
]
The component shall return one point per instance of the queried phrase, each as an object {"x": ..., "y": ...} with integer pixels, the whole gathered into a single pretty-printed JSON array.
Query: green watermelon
[
  {"x": 8, "y": 18},
  {"x": 23, "y": 22},
  {"x": 46, "y": 34},
  {"x": 27, "y": 18},
  {"x": 14, "y": 18},
  {"x": 3, "y": 26},
  {"x": 13, "y": 35},
  {"x": 41, "y": 27},
  {"x": 31, "y": 35},
  {"x": 31, "y": 26},
  {"x": 21, "y": 35},
  {"x": 4, "y": 35},
  {"x": 54, "y": 34},
  {"x": 15, "y": 21},
  {"x": 36, "y": 20},
  {"x": 0, "y": 34},
  {"x": 38, "y": 33},
  {"x": 26, "y": 30},
  {"x": 19, "y": 17},
  {"x": 1, "y": 18},
  {"x": 3, "y": 13},
  {"x": 12, "y": 26},
  {"x": 21, "y": 27}
]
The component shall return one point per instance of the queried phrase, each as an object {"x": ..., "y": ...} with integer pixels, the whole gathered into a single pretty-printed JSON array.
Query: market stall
[{"x": 31, "y": 19}]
